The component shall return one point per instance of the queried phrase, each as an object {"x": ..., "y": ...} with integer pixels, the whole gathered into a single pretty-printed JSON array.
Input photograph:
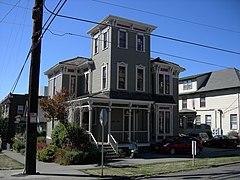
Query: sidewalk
[{"x": 49, "y": 171}]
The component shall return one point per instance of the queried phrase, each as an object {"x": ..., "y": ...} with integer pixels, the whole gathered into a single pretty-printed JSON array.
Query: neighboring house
[
  {"x": 140, "y": 94},
  {"x": 210, "y": 101},
  {"x": 14, "y": 108}
]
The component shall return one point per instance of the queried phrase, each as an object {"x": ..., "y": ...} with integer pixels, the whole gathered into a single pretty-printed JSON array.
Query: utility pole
[{"x": 31, "y": 141}]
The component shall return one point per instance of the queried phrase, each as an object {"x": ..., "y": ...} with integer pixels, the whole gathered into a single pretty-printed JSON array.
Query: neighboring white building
[{"x": 210, "y": 101}]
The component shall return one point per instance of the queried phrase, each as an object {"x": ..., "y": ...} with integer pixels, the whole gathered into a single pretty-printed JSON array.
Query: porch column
[
  {"x": 157, "y": 119},
  {"x": 109, "y": 121},
  {"x": 129, "y": 125},
  {"x": 90, "y": 117},
  {"x": 81, "y": 116},
  {"x": 148, "y": 121}
]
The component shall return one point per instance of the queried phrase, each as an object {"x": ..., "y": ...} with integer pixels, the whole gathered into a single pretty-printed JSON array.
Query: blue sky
[{"x": 174, "y": 18}]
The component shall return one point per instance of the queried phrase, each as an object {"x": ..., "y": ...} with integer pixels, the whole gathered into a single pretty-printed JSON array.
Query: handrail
[
  {"x": 92, "y": 137},
  {"x": 113, "y": 143}
]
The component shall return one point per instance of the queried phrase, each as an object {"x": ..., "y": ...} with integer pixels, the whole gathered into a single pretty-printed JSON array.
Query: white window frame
[
  {"x": 143, "y": 50},
  {"x": 107, "y": 40},
  {"x": 187, "y": 85},
  {"x": 122, "y": 64},
  {"x": 70, "y": 84},
  {"x": 144, "y": 78},
  {"x": 86, "y": 88},
  {"x": 106, "y": 86},
  {"x": 170, "y": 83},
  {"x": 126, "y": 44},
  {"x": 95, "y": 51},
  {"x": 164, "y": 133},
  {"x": 233, "y": 124}
]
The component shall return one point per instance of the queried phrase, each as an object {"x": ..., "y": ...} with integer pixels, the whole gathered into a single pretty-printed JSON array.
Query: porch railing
[
  {"x": 91, "y": 138},
  {"x": 113, "y": 143}
]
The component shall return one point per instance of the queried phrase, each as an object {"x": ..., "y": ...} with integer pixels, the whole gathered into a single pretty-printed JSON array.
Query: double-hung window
[
  {"x": 73, "y": 84},
  {"x": 105, "y": 40},
  {"x": 20, "y": 109},
  {"x": 187, "y": 85},
  {"x": 164, "y": 86},
  {"x": 122, "y": 39},
  {"x": 122, "y": 76},
  {"x": 233, "y": 122},
  {"x": 202, "y": 100},
  {"x": 140, "y": 42},
  {"x": 96, "y": 45},
  {"x": 104, "y": 77},
  {"x": 140, "y": 78},
  {"x": 86, "y": 82},
  {"x": 184, "y": 102}
]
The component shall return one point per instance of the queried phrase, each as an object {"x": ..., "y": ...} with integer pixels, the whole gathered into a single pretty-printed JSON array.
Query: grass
[
  {"x": 161, "y": 168},
  {"x": 7, "y": 163}
]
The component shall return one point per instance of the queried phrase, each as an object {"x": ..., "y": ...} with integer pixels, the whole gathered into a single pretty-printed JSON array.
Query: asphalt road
[{"x": 227, "y": 172}]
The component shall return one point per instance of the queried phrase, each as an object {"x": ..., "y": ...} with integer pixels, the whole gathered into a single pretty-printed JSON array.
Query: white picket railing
[
  {"x": 92, "y": 138},
  {"x": 113, "y": 143}
]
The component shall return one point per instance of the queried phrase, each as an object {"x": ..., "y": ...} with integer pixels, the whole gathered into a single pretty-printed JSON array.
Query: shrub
[
  {"x": 41, "y": 145},
  {"x": 19, "y": 142},
  {"x": 59, "y": 135},
  {"x": 233, "y": 134},
  {"x": 60, "y": 157},
  {"x": 46, "y": 154},
  {"x": 42, "y": 133},
  {"x": 41, "y": 139}
]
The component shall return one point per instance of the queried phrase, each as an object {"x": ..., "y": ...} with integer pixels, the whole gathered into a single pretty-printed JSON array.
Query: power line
[
  {"x": 157, "y": 52},
  {"x": 165, "y": 16},
  {"x": 32, "y": 47},
  {"x": 9, "y": 11},
  {"x": 155, "y": 35}
]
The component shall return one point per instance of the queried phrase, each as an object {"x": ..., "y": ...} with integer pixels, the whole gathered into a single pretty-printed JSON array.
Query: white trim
[
  {"x": 144, "y": 78},
  {"x": 106, "y": 86},
  {"x": 96, "y": 37},
  {"x": 170, "y": 83},
  {"x": 126, "y": 44},
  {"x": 122, "y": 64},
  {"x": 140, "y": 34},
  {"x": 86, "y": 89},
  {"x": 107, "y": 41}
]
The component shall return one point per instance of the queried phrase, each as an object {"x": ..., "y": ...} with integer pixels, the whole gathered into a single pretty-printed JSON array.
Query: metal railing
[{"x": 113, "y": 143}]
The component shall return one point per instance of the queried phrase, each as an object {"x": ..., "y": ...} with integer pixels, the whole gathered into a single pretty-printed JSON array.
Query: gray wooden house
[{"x": 139, "y": 93}]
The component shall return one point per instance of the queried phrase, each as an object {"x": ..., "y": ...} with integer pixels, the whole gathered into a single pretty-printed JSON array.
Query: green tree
[{"x": 55, "y": 108}]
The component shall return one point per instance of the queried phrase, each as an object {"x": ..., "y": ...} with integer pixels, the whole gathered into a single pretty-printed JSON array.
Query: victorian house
[{"x": 139, "y": 93}]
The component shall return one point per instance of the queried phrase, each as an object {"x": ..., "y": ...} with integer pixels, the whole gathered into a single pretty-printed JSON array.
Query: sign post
[
  {"x": 103, "y": 120},
  {"x": 194, "y": 152}
]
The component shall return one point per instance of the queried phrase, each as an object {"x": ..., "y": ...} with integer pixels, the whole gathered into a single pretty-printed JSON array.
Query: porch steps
[{"x": 109, "y": 152}]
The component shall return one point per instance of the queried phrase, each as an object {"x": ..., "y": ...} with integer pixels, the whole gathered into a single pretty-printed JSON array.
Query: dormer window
[
  {"x": 140, "y": 42},
  {"x": 122, "y": 76},
  {"x": 187, "y": 85},
  {"x": 122, "y": 39}
]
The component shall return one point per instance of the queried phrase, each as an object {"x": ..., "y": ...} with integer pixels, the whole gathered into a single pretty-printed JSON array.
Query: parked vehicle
[
  {"x": 222, "y": 142},
  {"x": 179, "y": 145},
  {"x": 203, "y": 136}
]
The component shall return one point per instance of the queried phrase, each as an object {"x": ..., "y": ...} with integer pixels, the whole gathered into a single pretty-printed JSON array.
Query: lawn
[
  {"x": 7, "y": 163},
  {"x": 161, "y": 168}
]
